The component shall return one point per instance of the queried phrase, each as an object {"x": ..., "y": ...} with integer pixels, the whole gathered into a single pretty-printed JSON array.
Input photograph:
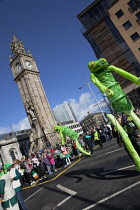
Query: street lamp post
[
  {"x": 87, "y": 83},
  {"x": 11, "y": 129},
  {"x": 107, "y": 103}
]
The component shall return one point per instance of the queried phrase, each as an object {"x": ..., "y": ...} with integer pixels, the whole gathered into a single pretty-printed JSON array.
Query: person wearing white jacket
[
  {"x": 15, "y": 179},
  {"x": 7, "y": 192}
]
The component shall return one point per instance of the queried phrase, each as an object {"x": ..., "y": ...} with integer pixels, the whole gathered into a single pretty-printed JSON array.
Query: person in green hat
[
  {"x": 7, "y": 192},
  {"x": 15, "y": 179}
]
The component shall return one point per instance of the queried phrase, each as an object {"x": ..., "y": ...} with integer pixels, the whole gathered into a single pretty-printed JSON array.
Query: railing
[
  {"x": 92, "y": 22},
  {"x": 88, "y": 25}
]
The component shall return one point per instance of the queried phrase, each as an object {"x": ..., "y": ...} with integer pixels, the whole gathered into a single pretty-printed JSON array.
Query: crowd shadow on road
[{"x": 96, "y": 173}]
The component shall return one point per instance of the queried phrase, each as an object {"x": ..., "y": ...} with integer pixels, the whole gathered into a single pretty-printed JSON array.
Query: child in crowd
[
  {"x": 52, "y": 161},
  {"x": 47, "y": 163},
  {"x": 65, "y": 152}
]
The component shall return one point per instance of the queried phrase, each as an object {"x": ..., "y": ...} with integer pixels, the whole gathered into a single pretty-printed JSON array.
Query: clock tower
[{"x": 27, "y": 77}]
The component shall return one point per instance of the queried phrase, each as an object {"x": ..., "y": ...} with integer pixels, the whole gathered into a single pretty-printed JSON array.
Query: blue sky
[{"x": 51, "y": 31}]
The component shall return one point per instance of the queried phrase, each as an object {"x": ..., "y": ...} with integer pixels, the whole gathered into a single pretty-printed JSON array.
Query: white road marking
[
  {"x": 114, "y": 151},
  {"x": 33, "y": 194},
  {"x": 119, "y": 169},
  {"x": 111, "y": 196},
  {"x": 71, "y": 192},
  {"x": 59, "y": 204}
]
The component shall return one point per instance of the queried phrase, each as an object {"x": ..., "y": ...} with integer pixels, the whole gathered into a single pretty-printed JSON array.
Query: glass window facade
[
  {"x": 134, "y": 5},
  {"x": 95, "y": 13},
  {"x": 107, "y": 42},
  {"x": 93, "y": 44},
  {"x": 64, "y": 113}
]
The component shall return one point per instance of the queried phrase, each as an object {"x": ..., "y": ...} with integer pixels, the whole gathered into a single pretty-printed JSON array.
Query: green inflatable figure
[
  {"x": 101, "y": 75},
  {"x": 65, "y": 131}
]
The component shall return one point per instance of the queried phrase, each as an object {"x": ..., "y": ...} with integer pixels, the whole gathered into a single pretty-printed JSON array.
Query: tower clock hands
[
  {"x": 28, "y": 64},
  {"x": 18, "y": 67}
]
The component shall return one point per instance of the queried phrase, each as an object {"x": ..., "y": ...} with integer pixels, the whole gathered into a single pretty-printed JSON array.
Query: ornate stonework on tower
[{"x": 37, "y": 107}]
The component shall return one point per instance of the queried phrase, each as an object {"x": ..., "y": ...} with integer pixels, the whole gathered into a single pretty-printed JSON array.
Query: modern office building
[
  {"x": 112, "y": 27},
  {"x": 64, "y": 113}
]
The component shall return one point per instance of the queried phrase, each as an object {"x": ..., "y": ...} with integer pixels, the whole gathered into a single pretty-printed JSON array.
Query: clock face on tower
[
  {"x": 28, "y": 64},
  {"x": 18, "y": 67}
]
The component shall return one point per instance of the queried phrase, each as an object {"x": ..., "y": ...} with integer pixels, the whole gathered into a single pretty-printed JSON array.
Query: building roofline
[
  {"x": 14, "y": 134},
  {"x": 91, "y": 115},
  {"x": 88, "y": 7}
]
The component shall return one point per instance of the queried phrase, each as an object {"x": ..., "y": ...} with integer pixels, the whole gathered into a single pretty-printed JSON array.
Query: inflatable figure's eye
[{"x": 92, "y": 64}]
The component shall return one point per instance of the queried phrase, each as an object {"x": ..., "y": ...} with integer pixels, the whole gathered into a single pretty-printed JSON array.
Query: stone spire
[{"x": 16, "y": 46}]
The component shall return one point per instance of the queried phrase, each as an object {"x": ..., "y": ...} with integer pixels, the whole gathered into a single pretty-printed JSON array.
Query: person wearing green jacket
[{"x": 96, "y": 136}]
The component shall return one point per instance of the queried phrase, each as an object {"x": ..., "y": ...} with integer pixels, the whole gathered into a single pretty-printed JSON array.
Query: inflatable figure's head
[
  {"x": 95, "y": 66},
  {"x": 57, "y": 128}
]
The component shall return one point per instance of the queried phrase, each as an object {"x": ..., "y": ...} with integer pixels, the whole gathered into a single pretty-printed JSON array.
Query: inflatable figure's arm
[
  {"x": 125, "y": 74},
  {"x": 65, "y": 131},
  {"x": 75, "y": 136},
  {"x": 102, "y": 88},
  {"x": 81, "y": 148},
  {"x": 58, "y": 129}
]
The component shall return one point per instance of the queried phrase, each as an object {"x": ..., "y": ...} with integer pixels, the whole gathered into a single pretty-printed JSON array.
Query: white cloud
[
  {"x": 23, "y": 124},
  {"x": 85, "y": 104},
  {"x": 4, "y": 130}
]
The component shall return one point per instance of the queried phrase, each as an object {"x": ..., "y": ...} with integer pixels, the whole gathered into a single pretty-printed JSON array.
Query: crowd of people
[
  {"x": 47, "y": 161},
  {"x": 27, "y": 170},
  {"x": 14, "y": 177}
]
